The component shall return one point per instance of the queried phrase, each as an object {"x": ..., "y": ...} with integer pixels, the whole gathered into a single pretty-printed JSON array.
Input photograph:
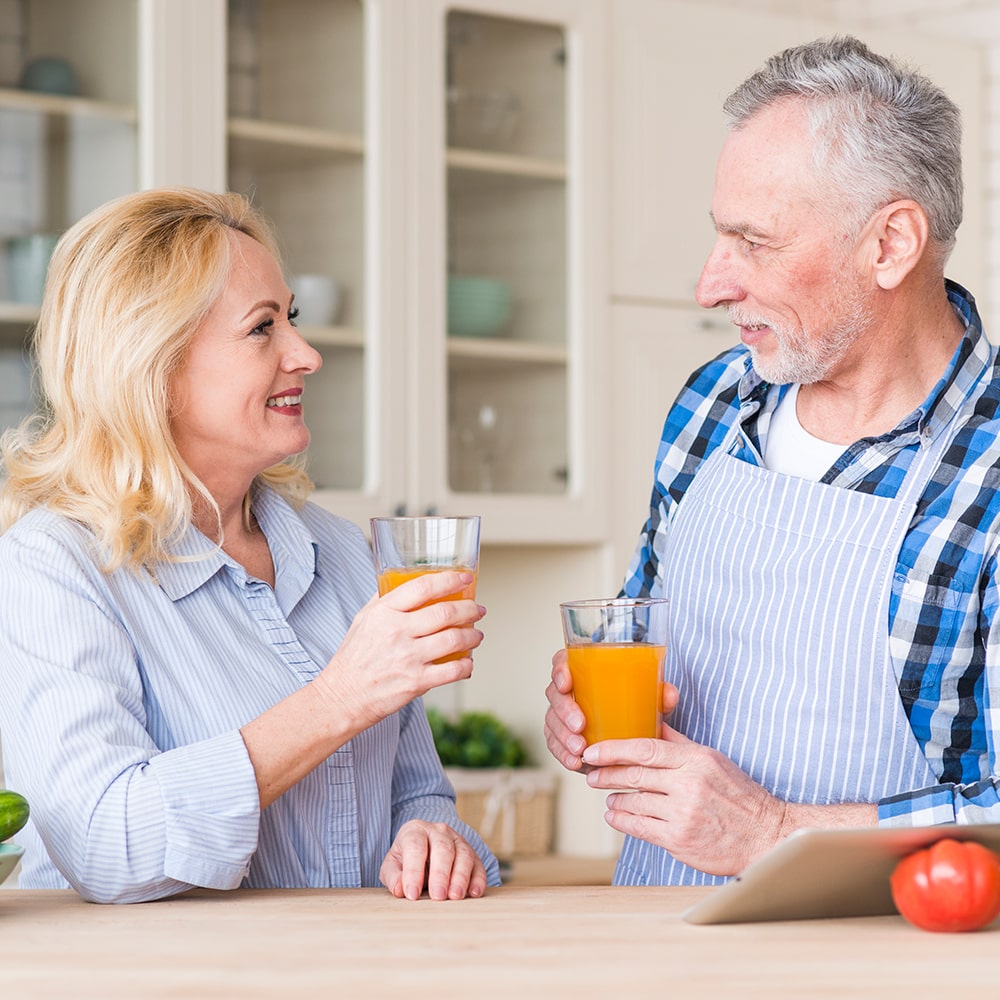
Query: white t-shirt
[{"x": 791, "y": 449}]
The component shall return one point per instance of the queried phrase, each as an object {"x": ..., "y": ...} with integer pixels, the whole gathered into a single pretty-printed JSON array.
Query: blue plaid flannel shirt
[{"x": 945, "y": 591}]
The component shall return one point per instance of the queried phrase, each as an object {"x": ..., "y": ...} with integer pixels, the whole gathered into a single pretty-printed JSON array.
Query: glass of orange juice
[
  {"x": 615, "y": 648},
  {"x": 408, "y": 547}
]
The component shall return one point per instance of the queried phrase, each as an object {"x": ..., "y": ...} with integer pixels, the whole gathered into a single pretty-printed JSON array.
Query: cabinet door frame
[
  {"x": 579, "y": 514},
  {"x": 387, "y": 302},
  {"x": 182, "y": 96}
]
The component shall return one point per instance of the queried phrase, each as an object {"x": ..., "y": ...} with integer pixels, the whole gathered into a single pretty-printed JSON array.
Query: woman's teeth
[{"x": 285, "y": 400}]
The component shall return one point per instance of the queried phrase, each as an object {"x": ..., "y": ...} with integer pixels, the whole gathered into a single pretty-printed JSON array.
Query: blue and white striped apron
[{"x": 779, "y": 608}]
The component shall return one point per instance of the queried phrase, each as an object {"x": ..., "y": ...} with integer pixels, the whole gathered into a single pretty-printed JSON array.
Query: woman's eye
[
  {"x": 293, "y": 315},
  {"x": 264, "y": 329}
]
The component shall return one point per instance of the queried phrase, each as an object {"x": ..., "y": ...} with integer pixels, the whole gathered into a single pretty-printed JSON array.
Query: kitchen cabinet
[
  {"x": 399, "y": 148},
  {"x": 511, "y": 162},
  {"x": 64, "y": 149},
  {"x": 404, "y": 149},
  {"x": 671, "y": 343},
  {"x": 107, "y": 112},
  {"x": 672, "y": 65}
]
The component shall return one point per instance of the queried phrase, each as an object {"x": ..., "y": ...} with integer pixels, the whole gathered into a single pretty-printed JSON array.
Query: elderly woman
[{"x": 198, "y": 686}]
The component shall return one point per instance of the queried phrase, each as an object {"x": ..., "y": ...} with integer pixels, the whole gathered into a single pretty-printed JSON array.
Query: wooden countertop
[{"x": 527, "y": 941}]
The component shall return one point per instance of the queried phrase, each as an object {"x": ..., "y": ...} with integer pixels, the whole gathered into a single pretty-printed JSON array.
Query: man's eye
[
  {"x": 293, "y": 315},
  {"x": 748, "y": 244}
]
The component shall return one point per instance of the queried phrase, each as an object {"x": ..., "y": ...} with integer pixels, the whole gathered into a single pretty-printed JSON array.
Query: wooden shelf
[
  {"x": 505, "y": 164},
  {"x": 500, "y": 349},
  {"x": 15, "y": 313},
  {"x": 279, "y": 143},
  {"x": 12, "y": 99},
  {"x": 332, "y": 336}
]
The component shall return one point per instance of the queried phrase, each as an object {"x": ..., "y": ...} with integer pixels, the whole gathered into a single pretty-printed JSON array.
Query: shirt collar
[
  {"x": 973, "y": 353},
  {"x": 195, "y": 559}
]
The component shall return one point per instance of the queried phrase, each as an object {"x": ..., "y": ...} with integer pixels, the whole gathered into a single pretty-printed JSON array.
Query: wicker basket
[{"x": 512, "y": 808}]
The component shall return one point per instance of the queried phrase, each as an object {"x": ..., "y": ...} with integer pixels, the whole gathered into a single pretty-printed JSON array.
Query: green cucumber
[{"x": 13, "y": 813}]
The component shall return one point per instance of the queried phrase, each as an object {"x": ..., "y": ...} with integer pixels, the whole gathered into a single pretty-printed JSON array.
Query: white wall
[{"x": 976, "y": 22}]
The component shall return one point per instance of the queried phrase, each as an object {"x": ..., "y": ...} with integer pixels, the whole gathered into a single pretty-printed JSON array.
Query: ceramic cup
[
  {"x": 48, "y": 75},
  {"x": 317, "y": 297},
  {"x": 28, "y": 262}
]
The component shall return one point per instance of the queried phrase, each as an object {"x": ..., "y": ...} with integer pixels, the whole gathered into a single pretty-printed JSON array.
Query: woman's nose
[{"x": 302, "y": 356}]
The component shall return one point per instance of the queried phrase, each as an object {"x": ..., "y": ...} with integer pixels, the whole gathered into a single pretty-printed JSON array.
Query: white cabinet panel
[
  {"x": 672, "y": 65},
  {"x": 656, "y": 349}
]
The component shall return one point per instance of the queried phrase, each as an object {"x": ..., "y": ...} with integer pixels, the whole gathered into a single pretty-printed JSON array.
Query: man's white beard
[{"x": 803, "y": 358}]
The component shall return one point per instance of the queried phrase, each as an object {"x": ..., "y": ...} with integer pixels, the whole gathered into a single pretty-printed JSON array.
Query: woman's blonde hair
[{"x": 127, "y": 287}]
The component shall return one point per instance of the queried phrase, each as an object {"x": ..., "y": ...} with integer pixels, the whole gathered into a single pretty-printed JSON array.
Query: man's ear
[{"x": 894, "y": 240}]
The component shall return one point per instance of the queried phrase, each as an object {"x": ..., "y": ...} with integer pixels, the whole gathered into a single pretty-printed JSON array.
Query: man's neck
[{"x": 887, "y": 375}]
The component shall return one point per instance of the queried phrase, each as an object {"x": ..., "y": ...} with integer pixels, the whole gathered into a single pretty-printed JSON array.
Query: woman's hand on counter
[{"x": 435, "y": 857}]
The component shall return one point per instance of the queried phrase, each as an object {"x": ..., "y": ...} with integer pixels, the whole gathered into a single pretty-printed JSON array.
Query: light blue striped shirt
[{"x": 122, "y": 696}]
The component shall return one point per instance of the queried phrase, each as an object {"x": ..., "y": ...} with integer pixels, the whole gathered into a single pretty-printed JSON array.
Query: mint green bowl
[
  {"x": 478, "y": 306},
  {"x": 10, "y": 854}
]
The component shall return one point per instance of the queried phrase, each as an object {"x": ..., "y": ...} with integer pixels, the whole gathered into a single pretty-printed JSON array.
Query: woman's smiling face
[{"x": 236, "y": 403}]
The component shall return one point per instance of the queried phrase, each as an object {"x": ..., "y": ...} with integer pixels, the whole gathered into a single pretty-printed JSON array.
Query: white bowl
[
  {"x": 317, "y": 297},
  {"x": 10, "y": 854}
]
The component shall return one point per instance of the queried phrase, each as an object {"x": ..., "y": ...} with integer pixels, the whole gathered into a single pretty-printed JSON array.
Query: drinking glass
[
  {"x": 408, "y": 547},
  {"x": 615, "y": 649}
]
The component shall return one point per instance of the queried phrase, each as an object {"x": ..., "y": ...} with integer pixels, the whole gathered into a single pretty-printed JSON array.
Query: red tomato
[{"x": 950, "y": 886}]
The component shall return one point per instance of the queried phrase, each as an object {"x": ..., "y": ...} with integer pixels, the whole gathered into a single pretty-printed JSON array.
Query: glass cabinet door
[
  {"x": 68, "y": 143},
  {"x": 296, "y": 147},
  {"x": 506, "y": 280},
  {"x": 515, "y": 208}
]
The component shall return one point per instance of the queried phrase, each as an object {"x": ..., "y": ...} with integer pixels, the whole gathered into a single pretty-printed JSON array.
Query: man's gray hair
[{"x": 883, "y": 131}]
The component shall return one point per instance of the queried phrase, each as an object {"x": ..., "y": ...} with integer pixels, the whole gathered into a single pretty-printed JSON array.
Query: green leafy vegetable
[{"x": 475, "y": 739}]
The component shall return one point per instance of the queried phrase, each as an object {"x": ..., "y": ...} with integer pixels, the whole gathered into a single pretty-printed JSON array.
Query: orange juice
[
  {"x": 393, "y": 576},
  {"x": 618, "y": 687}
]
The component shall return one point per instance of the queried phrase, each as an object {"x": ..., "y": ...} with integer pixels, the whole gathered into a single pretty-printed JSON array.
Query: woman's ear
[{"x": 894, "y": 241}]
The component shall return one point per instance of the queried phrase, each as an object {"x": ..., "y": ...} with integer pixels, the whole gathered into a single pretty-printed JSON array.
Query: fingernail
[
  {"x": 577, "y": 744},
  {"x": 575, "y": 721},
  {"x": 590, "y": 755},
  {"x": 482, "y": 609}
]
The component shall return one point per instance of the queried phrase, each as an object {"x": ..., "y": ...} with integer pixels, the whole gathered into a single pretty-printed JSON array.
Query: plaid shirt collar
[{"x": 972, "y": 355}]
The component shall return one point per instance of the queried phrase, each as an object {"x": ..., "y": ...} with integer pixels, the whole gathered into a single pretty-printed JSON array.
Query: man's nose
[{"x": 719, "y": 281}]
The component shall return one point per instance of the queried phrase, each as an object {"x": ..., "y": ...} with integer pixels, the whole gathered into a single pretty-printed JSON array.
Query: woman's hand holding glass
[{"x": 393, "y": 650}]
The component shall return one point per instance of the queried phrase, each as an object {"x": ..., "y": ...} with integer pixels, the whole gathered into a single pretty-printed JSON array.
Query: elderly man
[{"x": 825, "y": 512}]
